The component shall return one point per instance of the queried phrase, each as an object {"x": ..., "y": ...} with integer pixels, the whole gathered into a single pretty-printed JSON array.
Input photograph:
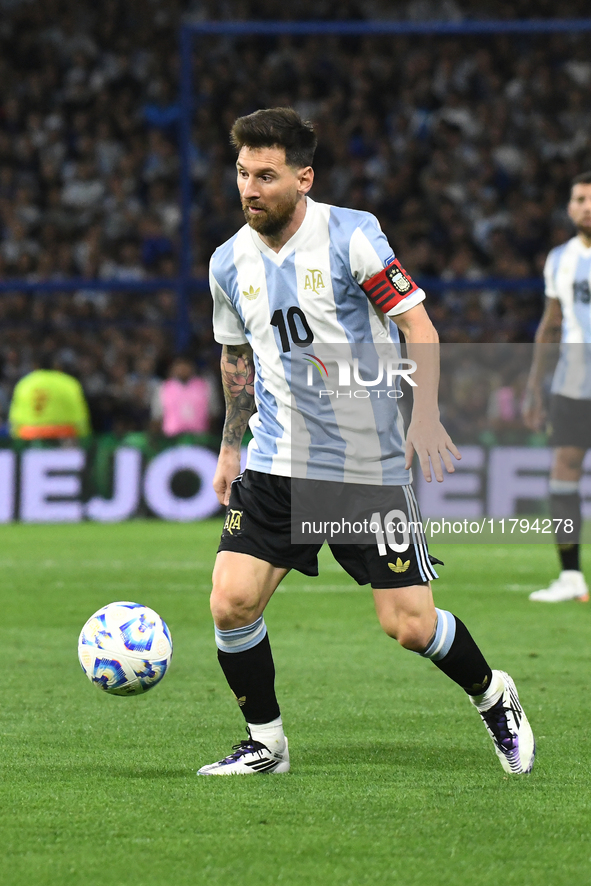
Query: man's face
[
  {"x": 269, "y": 189},
  {"x": 182, "y": 369},
  {"x": 579, "y": 208}
]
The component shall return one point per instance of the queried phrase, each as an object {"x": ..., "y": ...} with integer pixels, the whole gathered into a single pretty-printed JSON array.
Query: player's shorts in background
[
  {"x": 258, "y": 522},
  {"x": 570, "y": 422}
]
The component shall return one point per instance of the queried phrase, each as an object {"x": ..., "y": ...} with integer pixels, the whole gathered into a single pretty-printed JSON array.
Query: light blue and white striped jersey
[
  {"x": 309, "y": 293},
  {"x": 567, "y": 276}
]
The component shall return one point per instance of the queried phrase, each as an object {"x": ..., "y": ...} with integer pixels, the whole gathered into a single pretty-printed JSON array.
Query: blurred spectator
[
  {"x": 48, "y": 404},
  {"x": 185, "y": 402}
]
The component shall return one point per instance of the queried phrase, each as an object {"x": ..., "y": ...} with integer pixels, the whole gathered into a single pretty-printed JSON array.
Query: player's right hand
[
  {"x": 228, "y": 468},
  {"x": 532, "y": 410}
]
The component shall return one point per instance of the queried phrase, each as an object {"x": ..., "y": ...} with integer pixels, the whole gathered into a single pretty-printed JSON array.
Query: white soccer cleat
[
  {"x": 570, "y": 585},
  {"x": 249, "y": 758},
  {"x": 509, "y": 729}
]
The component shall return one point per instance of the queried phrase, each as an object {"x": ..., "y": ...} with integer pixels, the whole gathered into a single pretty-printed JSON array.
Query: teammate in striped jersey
[
  {"x": 566, "y": 318},
  {"x": 310, "y": 274}
]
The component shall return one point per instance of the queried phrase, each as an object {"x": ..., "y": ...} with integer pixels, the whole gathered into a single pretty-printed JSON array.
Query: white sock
[
  {"x": 269, "y": 734},
  {"x": 492, "y": 694}
]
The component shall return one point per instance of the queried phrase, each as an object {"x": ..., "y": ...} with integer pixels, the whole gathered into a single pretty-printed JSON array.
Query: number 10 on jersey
[{"x": 295, "y": 325}]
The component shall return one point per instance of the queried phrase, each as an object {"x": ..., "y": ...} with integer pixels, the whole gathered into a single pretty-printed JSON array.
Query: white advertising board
[{"x": 45, "y": 485}]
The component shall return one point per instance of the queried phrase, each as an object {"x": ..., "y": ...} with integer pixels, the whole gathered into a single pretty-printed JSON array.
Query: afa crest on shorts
[{"x": 233, "y": 524}]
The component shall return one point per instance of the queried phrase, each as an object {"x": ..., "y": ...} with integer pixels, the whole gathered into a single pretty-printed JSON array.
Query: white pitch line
[
  {"x": 320, "y": 589},
  {"x": 103, "y": 564}
]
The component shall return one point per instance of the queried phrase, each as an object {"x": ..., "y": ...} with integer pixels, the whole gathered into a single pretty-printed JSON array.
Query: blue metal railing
[
  {"x": 392, "y": 28},
  {"x": 196, "y": 284},
  {"x": 75, "y": 284}
]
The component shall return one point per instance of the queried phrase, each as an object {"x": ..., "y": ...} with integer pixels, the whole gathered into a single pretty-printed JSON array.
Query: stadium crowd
[{"x": 462, "y": 146}]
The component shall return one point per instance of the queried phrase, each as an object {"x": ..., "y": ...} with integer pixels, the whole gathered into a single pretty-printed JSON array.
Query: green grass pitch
[{"x": 394, "y": 779}]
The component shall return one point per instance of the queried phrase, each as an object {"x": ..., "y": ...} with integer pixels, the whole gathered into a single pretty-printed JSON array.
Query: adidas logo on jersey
[{"x": 250, "y": 293}]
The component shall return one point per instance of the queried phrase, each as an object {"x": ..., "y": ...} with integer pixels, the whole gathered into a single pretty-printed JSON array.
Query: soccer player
[
  {"x": 566, "y": 318},
  {"x": 313, "y": 273}
]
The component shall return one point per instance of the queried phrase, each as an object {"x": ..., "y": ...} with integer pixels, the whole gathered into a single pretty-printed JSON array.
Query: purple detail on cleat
[
  {"x": 506, "y": 741},
  {"x": 250, "y": 757},
  {"x": 248, "y": 746},
  {"x": 507, "y": 724}
]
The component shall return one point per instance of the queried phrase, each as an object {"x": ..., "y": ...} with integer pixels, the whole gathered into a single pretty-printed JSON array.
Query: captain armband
[{"x": 389, "y": 287}]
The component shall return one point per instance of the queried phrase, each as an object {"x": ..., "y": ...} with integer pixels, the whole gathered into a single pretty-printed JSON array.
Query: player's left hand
[{"x": 432, "y": 444}]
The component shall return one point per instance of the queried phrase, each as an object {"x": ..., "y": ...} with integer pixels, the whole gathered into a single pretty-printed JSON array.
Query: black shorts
[
  {"x": 570, "y": 422},
  {"x": 258, "y": 522}
]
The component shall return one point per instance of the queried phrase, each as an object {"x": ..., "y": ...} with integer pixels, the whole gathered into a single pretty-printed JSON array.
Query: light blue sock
[
  {"x": 445, "y": 632},
  {"x": 241, "y": 639}
]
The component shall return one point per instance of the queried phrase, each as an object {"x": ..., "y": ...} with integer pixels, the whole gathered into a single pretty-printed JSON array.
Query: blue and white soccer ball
[{"x": 125, "y": 648}]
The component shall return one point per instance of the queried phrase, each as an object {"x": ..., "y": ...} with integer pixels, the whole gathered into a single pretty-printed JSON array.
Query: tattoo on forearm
[{"x": 238, "y": 383}]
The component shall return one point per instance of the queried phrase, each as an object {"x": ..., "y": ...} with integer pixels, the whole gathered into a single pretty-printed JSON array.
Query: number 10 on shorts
[{"x": 395, "y": 523}]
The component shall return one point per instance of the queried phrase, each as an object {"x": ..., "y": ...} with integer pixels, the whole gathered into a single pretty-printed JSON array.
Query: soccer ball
[{"x": 125, "y": 648}]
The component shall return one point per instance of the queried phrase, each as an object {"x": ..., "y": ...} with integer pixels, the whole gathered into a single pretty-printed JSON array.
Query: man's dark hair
[
  {"x": 277, "y": 127},
  {"x": 584, "y": 178}
]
